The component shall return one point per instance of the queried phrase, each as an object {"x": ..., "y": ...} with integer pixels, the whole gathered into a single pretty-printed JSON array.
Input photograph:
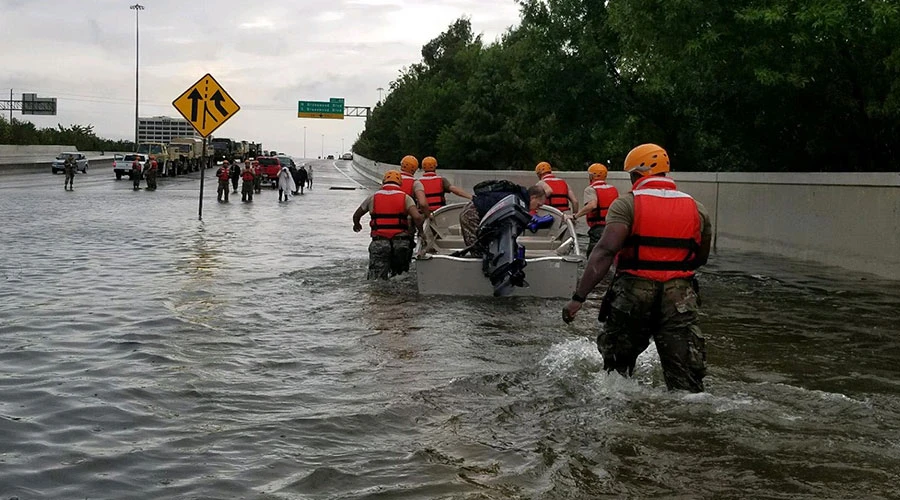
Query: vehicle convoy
[{"x": 59, "y": 163}]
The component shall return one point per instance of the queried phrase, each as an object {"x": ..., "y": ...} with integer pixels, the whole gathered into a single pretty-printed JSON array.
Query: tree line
[
  {"x": 21, "y": 133},
  {"x": 723, "y": 85}
]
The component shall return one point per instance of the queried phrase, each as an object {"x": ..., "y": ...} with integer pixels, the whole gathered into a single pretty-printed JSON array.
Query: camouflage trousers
[
  {"x": 247, "y": 191},
  {"x": 664, "y": 311},
  {"x": 222, "y": 189},
  {"x": 594, "y": 235},
  {"x": 150, "y": 177},
  {"x": 389, "y": 257},
  {"x": 468, "y": 225},
  {"x": 70, "y": 176}
]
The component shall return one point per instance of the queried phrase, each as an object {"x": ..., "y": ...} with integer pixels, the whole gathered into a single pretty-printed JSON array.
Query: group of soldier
[
  {"x": 150, "y": 169},
  {"x": 401, "y": 199},
  {"x": 656, "y": 237}
]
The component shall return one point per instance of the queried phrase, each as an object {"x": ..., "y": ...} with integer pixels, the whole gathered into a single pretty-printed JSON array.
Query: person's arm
[
  {"x": 548, "y": 191},
  {"x": 587, "y": 208},
  {"x": 598, "y": 264},
  {"x": 422, "y": 201},
  {"x": 705, "y": 245},
  {"x": 357, "y": 217},
  {"x": 459, "y": 192},
  {"x": 573, "y": 201},
  {"x": 417, "y": 217}
]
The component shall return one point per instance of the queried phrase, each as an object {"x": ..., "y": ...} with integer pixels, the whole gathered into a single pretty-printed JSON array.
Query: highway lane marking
[{"x": 334, "y": 164}]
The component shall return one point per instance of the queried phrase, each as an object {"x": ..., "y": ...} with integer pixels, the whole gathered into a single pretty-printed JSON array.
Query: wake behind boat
[{"x": 519, "y": 262}]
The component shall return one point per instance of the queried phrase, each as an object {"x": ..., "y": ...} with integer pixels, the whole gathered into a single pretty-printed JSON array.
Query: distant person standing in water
[
  {"x": 302, "y": 178},
  {"x": 309, "y": 173},
  {"x": 69, "y": 169},
  {"x": 286, "y": 184}
]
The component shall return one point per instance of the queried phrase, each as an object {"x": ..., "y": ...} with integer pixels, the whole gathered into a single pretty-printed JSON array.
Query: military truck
[
  {"x": 161, "y": 152},
  {"x": 224, "y": 149},
  {"x": 185, "y": 154}
]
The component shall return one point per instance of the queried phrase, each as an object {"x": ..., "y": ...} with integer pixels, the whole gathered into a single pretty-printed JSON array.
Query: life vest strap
[{"x": 636, "y": 263}]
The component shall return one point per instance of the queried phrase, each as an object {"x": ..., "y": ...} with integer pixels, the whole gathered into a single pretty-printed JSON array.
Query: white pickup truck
[{"x": 122, "y": 164}]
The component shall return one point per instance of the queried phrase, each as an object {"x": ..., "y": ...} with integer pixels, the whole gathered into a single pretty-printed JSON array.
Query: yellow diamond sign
[{"x": 206, "y": 105}]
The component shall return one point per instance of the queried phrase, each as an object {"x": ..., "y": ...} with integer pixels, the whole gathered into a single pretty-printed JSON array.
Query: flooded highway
[{"x": 145, "y": 354}]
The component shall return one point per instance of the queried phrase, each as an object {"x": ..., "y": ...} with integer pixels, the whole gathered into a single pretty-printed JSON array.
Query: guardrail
[{"x": 34, "y": 165}]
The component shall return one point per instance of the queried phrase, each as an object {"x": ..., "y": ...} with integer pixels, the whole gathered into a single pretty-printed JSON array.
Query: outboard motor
[{"x": 504, "y": 258}]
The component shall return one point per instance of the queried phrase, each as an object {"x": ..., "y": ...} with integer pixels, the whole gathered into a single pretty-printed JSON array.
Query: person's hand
[
  {"x": 357, "y": 227},
  {"x": 570, "y": 310}
]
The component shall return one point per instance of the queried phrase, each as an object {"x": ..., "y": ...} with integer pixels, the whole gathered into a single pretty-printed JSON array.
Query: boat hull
[{"x": 549, "y": 277}]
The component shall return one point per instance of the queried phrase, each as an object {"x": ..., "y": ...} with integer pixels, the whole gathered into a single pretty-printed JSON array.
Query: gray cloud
[{"x": 268, "y": 54}]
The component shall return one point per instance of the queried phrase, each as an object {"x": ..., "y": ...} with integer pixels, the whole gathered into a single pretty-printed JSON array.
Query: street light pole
[
  {"x": 342, "y": 145},
  {"x": 323, "y": 146},
  {"x": 137, "y": 8},
  {"x": 379, "y": 89},
  {"x": 304, "y": 143}
]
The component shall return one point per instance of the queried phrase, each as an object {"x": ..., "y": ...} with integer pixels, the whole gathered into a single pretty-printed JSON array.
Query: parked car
[
  {"x": 59, "y": 164},
  {"x": 347, "y": 156},
  {"x": 122, "y": 164},
  {"x": 329, "y": 157}
]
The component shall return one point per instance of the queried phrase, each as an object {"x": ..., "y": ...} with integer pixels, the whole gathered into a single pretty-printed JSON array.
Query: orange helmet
[
  {"x": 392, "y": 177},
  {"x": 429, "y": 164},
  {"x": 598, "y": 170},
  {"x": 647, "y": 159},
  {"x": 542, "y": 169},
  {"x": 409, "y": 164}
]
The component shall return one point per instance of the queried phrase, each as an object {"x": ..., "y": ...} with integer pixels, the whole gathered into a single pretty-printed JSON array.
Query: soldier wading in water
[{"x": 661, "y": 235}]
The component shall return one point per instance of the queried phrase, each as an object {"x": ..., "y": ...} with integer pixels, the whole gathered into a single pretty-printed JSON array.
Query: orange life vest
[
  {"x": 389, "y": 212},
  {"x": 408, "y": 181},
  {"x": 560, "y": 197},
  {"x": 434, "y": 190},
  {"x": 606, "y": 194},
  {"x": 665, "y": 234},
  {"x": 136, "y": 166},
  {"x": 247, "y": 176},
  {"x": 223, "y": 174},
  {"x": 153, "y": 165}
]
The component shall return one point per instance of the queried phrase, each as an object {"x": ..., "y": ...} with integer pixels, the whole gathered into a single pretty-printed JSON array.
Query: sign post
[
  {"x": 207, "y": 106},
  {"x": 202, "y": 175}
]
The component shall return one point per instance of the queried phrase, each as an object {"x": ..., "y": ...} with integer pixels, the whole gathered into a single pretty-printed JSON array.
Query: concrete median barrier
[{"x": 848, "y": 220}]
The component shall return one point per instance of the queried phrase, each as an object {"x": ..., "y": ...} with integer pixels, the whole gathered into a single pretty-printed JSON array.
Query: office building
[{"x": 163, "y": 129}]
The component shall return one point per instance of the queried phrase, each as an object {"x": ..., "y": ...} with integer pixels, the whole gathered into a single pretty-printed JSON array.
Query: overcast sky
[{"x": 267, "y": 54}]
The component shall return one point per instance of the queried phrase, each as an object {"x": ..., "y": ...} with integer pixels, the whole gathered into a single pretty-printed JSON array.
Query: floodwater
[{"x": 145, "y": 355}]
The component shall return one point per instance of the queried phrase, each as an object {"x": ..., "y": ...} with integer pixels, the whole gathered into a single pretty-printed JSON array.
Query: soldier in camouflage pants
[
  {"x": 389, "y": 257},
  {"x": 667, "y": 312}
]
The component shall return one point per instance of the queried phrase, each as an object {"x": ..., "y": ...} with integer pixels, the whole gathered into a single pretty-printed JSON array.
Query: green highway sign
[{"x": 333, "y": 108}]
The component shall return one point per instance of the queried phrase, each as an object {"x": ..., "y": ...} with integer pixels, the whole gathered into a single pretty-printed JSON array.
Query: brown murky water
[{"x": 145, "y": 354}]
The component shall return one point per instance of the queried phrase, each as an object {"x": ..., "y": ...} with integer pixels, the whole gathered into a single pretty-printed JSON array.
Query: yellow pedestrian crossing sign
[{"x": 206, "y": 105}]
